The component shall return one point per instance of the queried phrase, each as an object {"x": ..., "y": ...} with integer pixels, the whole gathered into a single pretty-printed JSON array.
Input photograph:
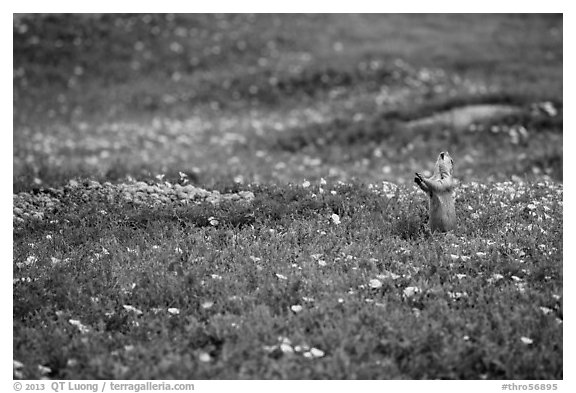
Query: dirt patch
[{"x": 464, "y": 116}]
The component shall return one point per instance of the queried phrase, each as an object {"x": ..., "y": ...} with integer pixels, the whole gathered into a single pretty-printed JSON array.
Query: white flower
[
  {"x": 286, "y": 348},
  {"x": 460, "y": 276},
  {"x": 213, "y": 221},
  {"x": 322, "y": 262},
  {"x": 79, "y": 325},
  {"x": 481, "y": 254},
  {"x": 44, "y": 370},
  {"x": 411, "y": 291},
  {"x": 296, "y": 308},
  {"x": 375, "y": 284},
  {"x": 335, "y": 218},
  {"x": 204, "y": 357},
  {"x": 207, "y": 305},
  {"x": 306, "y": 184},
  {"x": 133, "y": 309},
  {"x": 526, "y": 340},
  {"x": 546, "y": 310},
  {"x": 388, "y": 275},
  {"x": 174, "y": 311},
  {"x": 322, "y": 181},
  {"x": 281, "y": 277}
]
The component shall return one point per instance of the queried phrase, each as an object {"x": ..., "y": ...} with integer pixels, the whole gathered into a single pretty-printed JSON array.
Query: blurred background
[{"x": 281, "y": 98}]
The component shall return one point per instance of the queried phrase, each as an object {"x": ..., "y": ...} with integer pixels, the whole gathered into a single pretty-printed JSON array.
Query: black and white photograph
[{"x": 286, "y": 196}]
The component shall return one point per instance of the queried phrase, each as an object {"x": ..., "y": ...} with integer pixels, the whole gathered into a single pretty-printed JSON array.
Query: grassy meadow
[{"x": 232, "y": 197}]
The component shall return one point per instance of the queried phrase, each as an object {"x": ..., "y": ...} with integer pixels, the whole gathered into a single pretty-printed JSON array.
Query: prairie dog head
[{"x": 444, "y": 165}]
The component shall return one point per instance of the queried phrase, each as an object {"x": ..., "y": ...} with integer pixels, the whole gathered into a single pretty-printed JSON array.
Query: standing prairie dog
[{"x": 440, "y": 188}]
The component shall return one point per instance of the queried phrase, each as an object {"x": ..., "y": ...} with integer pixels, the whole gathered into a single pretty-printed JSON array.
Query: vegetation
[{"x": 231, "y": 197}]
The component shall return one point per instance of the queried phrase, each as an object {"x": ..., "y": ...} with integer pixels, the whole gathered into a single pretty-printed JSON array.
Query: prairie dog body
[{"x": 440, "y": 188}]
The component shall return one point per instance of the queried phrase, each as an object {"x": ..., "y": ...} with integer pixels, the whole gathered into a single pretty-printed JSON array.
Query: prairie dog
[{"x": 440, "y": 188}]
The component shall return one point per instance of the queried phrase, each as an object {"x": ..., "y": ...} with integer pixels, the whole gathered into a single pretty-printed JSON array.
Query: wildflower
[
  {"x": 322, "y": 262},
  {"x": 545, "y": 310},
  {"x": 335, "y": 218},
  {"x": 207, "y": 305},
  {"x": 79, "y": 325},
  {"x": 411, "y": 291},
  {"x": 296, "y": 308},
  {"x": 526, "y": 340},
  {"x": 460, "y": 276},
  {"x": 133, "y": 309},
  {"x": 281, "y": 277},
  {"x": 213, "y": 221},
  {"x": 30, "y": 260},
  {"x": 174, "y": 311},
  {"x": 204, "y": 357},
  {"x": 456, "y": 295},
  {"x": 322, "y": 181},
  {"x": 306, "y": 184},
  {"x": 388, "y": 275},
  {"x": 314, "y": 353},
  {"x": 495, "y": 277},
  {"x": 18, "y": 366},
  {"x": 44, "y": 370},
  {"x": 375, "y": 284}
]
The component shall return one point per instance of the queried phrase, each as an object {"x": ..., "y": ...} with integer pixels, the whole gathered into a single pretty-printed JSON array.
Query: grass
[
  {"x": 233, "y": 304},
  {"x": 308, "y": 255}
]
